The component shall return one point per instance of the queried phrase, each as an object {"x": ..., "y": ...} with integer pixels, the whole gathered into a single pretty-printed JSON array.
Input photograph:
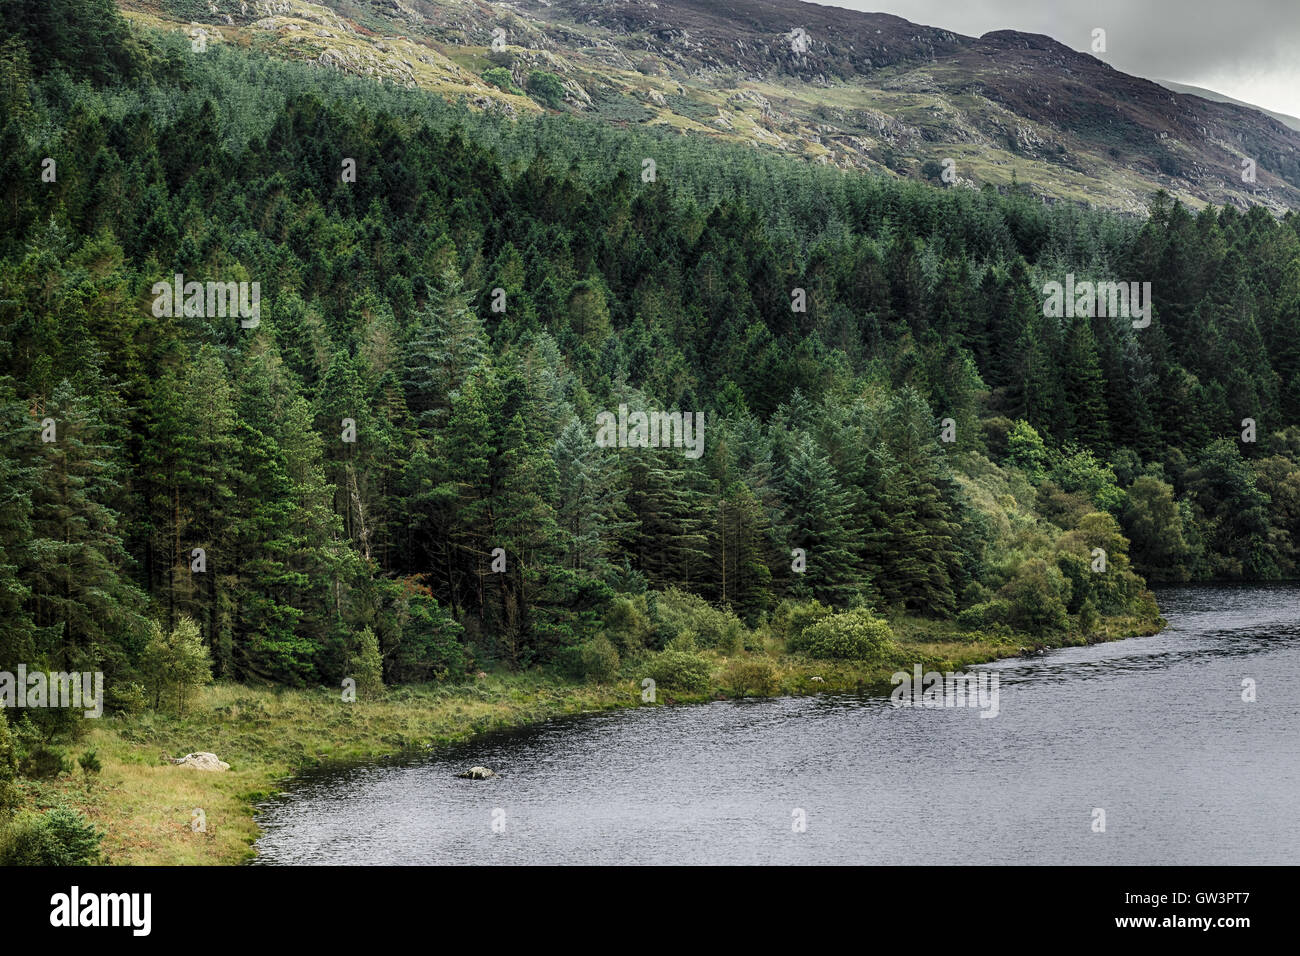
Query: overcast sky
[{"x": 1246, "y": 49}]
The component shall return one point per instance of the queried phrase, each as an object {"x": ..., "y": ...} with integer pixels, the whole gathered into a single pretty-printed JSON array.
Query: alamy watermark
[
  {"x": 651, "y": 430},
  {"x": 1124, "y": 300},
  {"x": 210, "y": 299},
  {"x": 948, "y": 689},
  {"x": 54, "y": 689}
]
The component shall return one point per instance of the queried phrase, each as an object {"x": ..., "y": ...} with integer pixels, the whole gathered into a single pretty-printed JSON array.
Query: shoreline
[{"x": 270, "y": 736}]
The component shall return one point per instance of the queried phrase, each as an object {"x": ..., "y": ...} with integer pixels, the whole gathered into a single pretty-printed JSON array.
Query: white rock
[{"x": 202, "y": 761}]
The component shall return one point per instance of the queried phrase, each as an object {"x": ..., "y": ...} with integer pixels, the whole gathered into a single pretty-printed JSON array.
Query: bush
[
  {"x": 856, "y": 635},
  {"x": 750, "y": 676},
  {"x": 9, "y": 795},
  {"x": 987, "y": 614},
  {"x": 90, "y": 761},
  {"x": 546, "y": 88},
  {"x": 500, "y": 77},
  {"x": 43, "y": 762},
  {"x": 628, "y": 622},
  {"x": 366, "y": 666},
  {"x": 1088, "y": 618},
  {"x": 126, "y": 697},
  {"x": 58, "y": 837},
  {"x": 429, "y": 645},
  {"x": 677, "y": 612},
  {"x": 1036, "y": 597},
  {"x": 792, "y": 617},
  {"x": 596, "y": 660},
  {"x": 175, "y": 663},
  {"x": 680, "y": 670},
  {"x": 683, "y": 641}
]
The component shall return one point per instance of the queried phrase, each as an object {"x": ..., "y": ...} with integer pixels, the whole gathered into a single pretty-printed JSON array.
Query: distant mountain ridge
[
  {"x": 864, "y": 90},
  {"x": 1284, "y": 118}
]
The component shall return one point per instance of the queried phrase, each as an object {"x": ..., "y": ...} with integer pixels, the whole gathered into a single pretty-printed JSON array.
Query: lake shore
[{"x": 146, "y": 806}]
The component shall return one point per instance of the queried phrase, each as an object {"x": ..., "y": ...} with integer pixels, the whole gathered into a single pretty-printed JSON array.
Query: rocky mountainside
[{"x": 854, "y": 89}]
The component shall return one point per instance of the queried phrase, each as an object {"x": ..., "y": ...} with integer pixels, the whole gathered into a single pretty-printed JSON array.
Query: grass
[{"x": 144, "y": 805}]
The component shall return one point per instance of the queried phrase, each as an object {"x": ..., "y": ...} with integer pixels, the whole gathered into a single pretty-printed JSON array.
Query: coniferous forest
[{"x": 389, "y": 469}]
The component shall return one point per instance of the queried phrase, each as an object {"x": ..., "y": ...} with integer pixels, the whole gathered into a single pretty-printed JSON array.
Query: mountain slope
[
  {"x": 855, "y": 89},
  {"x": 1291, "y": 122}
]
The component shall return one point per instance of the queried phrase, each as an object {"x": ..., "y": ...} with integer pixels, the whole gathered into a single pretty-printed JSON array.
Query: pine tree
[
  {"x": 84, "y": 602},
  {"x": 818, "y": 513}
]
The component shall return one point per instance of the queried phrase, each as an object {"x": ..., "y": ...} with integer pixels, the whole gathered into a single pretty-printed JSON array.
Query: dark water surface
[{"x": 1153, "y": 730}]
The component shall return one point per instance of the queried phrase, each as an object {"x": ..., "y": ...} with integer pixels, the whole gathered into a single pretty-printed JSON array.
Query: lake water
[{"x": 1152, "y": 730}]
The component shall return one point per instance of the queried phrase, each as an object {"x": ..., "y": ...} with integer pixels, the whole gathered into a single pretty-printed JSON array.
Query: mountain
[
  {"x": 1283, "y": 118},
  {"x": 853, "y": 89}
]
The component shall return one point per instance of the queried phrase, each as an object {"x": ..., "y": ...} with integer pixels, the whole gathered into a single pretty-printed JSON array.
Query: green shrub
[
  {"x": 987, "y": 614},
  {"x": 58, "y": 837},
  {"x": 429, "y": 645},
  {"x": 42, "y": 761},
  {"x": 679, "y": 670},
  {"x": 176, "y": 663},
  {"x": 126, "y": 697},
  {"x": 90, "y": 761},
  {"x": 792, "y": 617},
  {"x": 1088, "y": 618},
  {"x": 856, "y": 635},
  {"x": 628, "y": 622},
  {"x": 684, "y": 641},
  {"x": 596, "y": 660},
  {"x": 9, "y": 795},
  {"x": 676, "y": 612},
  {"x": 750, "y": 676},
  {"x": 619, "y": 108},
  {"x": 546, "y": 88},
  {"x": 1037, "y": 596},
  {"x": 366, "y": 666},
  {"x": 501, "y": 78}
]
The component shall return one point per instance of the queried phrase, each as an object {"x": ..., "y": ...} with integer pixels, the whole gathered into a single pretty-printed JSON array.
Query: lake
[{"x": 1152, "y": 730}]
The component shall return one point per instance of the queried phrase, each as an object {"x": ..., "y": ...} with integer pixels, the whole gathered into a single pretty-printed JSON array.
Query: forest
[{"x": 395, "y": 467}]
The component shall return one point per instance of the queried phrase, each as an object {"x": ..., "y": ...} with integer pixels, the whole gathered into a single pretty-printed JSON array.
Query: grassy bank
[{"x": 144, "y": 805}]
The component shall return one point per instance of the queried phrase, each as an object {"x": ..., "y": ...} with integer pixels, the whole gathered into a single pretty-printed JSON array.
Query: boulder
[
  {"x": 476, "y": 773},
  {"x": 202, "y": 761}
]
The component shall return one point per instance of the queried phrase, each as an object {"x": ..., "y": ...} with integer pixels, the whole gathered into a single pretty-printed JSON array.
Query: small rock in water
[{"x": 477, "y": 773}]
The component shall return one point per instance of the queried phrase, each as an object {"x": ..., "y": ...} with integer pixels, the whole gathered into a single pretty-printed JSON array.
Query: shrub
[
  {"x": 792, "y": 617},
  {"x": 596, "y": 660},
  {"x": 126, "y": 697},
  {"x": 366, "y": 666},
  {"x": 429, "y": 646},
  {"x": 677, "y": 612},
  {"x": 680, "y": 670},
  {"x": 175, "y": 663},
  {"x": 58, "y": 837},
  {"x": 986, "y": 614},
  {"x": 43, "y": 761},
  {"x": 750, "y": 676},
  {"x": 546, "y": 88},
  {"x": 1036, "y": 597},
  {"x": 9, "y": 795},
  {"x": 501, "y": 78},
  {"x": 90, "y": 761},
  {"x": 628, "y": 622},
  {"x": 684, "y": 641},
  {"x": 856, "y": 635},
  {"x": 1088, "y": 617}
]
